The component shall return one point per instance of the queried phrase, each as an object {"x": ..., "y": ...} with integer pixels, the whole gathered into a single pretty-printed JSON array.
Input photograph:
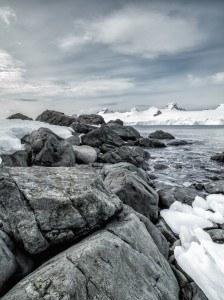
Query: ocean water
[{"x": 190, "y": 163}]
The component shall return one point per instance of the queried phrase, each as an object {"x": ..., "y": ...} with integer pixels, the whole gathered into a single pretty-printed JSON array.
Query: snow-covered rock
[
  {"x": 11, "y": 132},
  {"x": 220, "y": 107},
  {"x": 172, "y": 106}
]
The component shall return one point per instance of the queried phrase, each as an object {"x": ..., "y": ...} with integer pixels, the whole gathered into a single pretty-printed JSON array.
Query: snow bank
[
  {"x": 198, "y": 255},
  {"x": 11, "y": 131},
  {"x": 171, "y": 115}
]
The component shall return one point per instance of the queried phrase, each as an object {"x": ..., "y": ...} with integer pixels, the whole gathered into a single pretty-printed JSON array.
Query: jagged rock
[
  {"x": 102, "y": 135},
  {"x": 169, "y": 194},
  {"x": 192, "y": 292},
  {"x": 41, "y": 207},
  {"x": 55, "y": 118},
  {"x": 74, "y": 140},
  {"x": 166, "y": 231},
  {"x": 118, "y": 262},
  {"x": 136, "y": 156},
  {"x": 161, "y": 135},
  {"x": 133, "y": 191},
  {"x": 45, "y": 148},
  {"x": 81, "y": 128},
  {"x": 91, "y": 119},
  {"x": 85, "y": 154},
  {"x": 13, "y": 262},
  {"x": 20, "y": 116},
  {"x": 127, "y": 166},
  {"x": 117, "y": 121},
  {"x": 149, "y": 143},
  {"x": 125, "y": 132},
  {"x": 218, "y": 157},
  {"x": 17, "y": 159},
  {"x": 179, "y": 143}
]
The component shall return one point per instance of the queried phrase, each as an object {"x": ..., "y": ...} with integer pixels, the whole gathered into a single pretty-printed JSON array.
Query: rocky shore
[{"x": 80, "y": 217}]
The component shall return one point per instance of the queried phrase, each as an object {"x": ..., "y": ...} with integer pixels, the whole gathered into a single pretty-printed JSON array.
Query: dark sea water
[{"x": 190, "y": 163}]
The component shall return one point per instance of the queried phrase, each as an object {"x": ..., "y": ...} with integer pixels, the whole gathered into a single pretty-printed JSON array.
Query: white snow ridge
[
  {"x": 198, "y": 255},
  {"x": 171, "y": 115}
]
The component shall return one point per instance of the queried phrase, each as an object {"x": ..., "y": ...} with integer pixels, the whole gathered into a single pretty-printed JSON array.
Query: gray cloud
[{"x": 80, "y": 55}]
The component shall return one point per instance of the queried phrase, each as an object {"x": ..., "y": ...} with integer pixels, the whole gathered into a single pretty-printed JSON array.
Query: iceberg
[{"x": 198, "y": 255}]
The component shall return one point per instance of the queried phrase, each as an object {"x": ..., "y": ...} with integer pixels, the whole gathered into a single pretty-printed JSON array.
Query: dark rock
[
  {"x": 13, "y": 263},
  {"x": 17, "y": 159},
  {"x": 81, "y": 128},
  {"x": 160, "y": 166},
  {"x": 169, "y": 194},
  {"x": 119, "y": 262},
  {"x": 107, "y": 147},
  {"x": 55, "y": 118},
  {"x": 155, "y": 233},
  {"x": 149, "y": 143},
  {"x": 45, "y": 148},
  {"x": 125, "y": 132},
  {"x": 136, "y": 156},
  {"x": 91, "y": 119},
  {"x": 127, "y": 166},
  {"x": 42, "y": 207},
  {"x": 74, "y": 140},
  {"x": 192, "y": 292},
  {"x": 117, "y": 121},
  {"x": 161, "y": 135},
  {"x": 85, "y": 154},
  {"x": 102, "y": 135},
  {"x": 19, "y": 116},
  {"x": 218, "y": 157},
  {"x": 133, "y": 191},
  {"x": 166, "y": 231},
  {"x": 181, "y": 279},
  {"x": 214, "y": 187},
  {"x": 217, "y": 235},
  {"x": 179, "y": 143}
]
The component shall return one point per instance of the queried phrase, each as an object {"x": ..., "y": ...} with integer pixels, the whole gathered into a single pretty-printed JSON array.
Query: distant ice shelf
[{"x": 172, "y": 114}]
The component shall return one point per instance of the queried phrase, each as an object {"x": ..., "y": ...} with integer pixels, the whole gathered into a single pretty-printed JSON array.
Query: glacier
[{"x": 172, "y": 114}]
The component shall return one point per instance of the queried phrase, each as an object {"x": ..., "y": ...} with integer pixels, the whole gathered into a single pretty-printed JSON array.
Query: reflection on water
[{"x": 189, "y": 162}]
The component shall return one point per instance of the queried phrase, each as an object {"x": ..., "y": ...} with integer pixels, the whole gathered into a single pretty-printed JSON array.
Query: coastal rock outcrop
[
  {"x": 92, "y": 119},
  {"x": 19, "y": 116},
  {"x": 45, "y": 148},
  {"x": 161, "y": 135},
  {"x": 41, "y": 207},
  {"x": 17, "y": 159},
  {"x": 125, "y": 132},
  {"x": 136, "y": 156},
  {"x": 150, "y": 143},
  {"x": 218, "y": 157},
  {"x": 133, "y": 191},
  {"x": 103, "y": 266},
  {"x": 55, "y": 118}
]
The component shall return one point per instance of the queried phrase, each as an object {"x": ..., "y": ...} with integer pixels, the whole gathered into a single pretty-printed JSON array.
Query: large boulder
[
  {"x": 19, "y": 116},
  {"x": 45, "y": 148},
  {"x": 85, "y": 154},
  {"x": 117, "y": 121},
  {"x": 218, "y": 157},
  {"x": 149, "y": 143},
  {"x": 136, "y": 156},
  {"x": 133, "y": 191},
  {"x": 161, "y": 135},
  {"x": 81, "y": 128},
  {"x": 179, "y": 143},
  {"x": 168, "y": 194},
  {"x": 127, "y": 166},
  {"x": 41, "y": 207},
  {"x": 91, "y": 119},
  {"x": 102, "y": 135},
  {"x": 119, "y": 262},
  {"x": 17, "y": 159},
  {"x": 55, "y": 118},
  {"x": 125, "y": 132}
]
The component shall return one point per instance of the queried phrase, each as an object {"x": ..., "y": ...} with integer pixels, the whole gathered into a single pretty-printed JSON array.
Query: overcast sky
[{"x": 83, "y": 55}]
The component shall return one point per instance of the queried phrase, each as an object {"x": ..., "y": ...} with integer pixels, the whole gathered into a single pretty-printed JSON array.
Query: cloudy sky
[{"x": 83, "y": 55}]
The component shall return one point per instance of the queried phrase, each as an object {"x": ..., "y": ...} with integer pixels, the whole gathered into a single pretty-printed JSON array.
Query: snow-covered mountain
[{"x": 172, "y": 114}]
